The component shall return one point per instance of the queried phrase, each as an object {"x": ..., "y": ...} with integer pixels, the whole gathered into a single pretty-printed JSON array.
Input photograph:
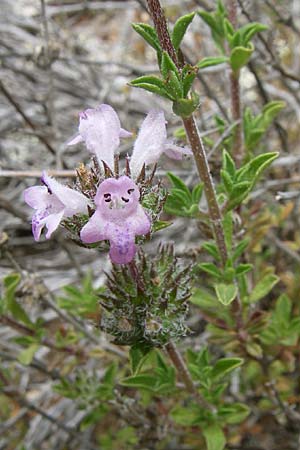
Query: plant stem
[
  {"x": 209, "y": 189},
  {"x": 184, "y": 374},
  {"x": 235, "y": 95},
  {"x": 192, "y": 132}
]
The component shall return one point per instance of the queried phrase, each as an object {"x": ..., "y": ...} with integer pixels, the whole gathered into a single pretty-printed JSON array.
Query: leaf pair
[{"x": 181, "y": 201}]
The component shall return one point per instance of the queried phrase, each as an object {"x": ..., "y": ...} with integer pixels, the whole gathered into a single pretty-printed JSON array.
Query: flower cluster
[{"x": 117, "y": 214}]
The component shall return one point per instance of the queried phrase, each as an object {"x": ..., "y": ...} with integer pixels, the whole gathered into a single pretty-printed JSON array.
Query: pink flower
[
  {"x": 119, "y": 217},
  {"x": 101, "y": 130},
  {"x": 52, "y": 203},
  {"x": 152, "y": 142}
]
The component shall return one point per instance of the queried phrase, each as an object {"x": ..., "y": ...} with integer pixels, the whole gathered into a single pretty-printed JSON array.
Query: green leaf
[
  {"x": 211, "y": 269},
  {"x": 240, "y": 248},
  {"x": 189, "y": 73},
  {"x": 138, "y": 354},
  {"x": 27, "y": 355},
  {"x": 197, "y": 193},
  {"x": 174, "y": 86},
  {"x": 229, "y": 30},
  {"x": 263, "y": 287},
  {"x": 228, "y": 164},
  {"x": 234, "y": 413},
  {"x": 214, "y": 436},
  {"x": 167, "y": 65},
  {"x": 254, "y": 349},
  {"x": 186, "y": 416},
  {"x": 227, "y": 181},
  {"x": 239, "y": 192},
  {"x": 240, "y": 56},
  {"x": 210, "y": 21},
  {"x": 180, "y": 28},
  {"x": 185, "y": 107},
  {"x": 252, "y": 170},
  {"x": 224, "y": 366},
  {"x": 149, "y": 34},
  {"x": 283, "y": 309},
  {"x": 10, "y": 283},
  {"x": 271, "y": 110},
  {"x": 110, "y": 374},
  {"x": 228, "y": 229},
  {"x": 179, "y": 184},
  {"x": 211, "y": 61},
  {"x": 226, "y": 293},
  {"x": 151, "y": 83},
  {"x": 212, "y": 249},
  {"x": 243, "y": 268},
  {"x": 142, "y": 381},
  {"x": 10, "y": 304},
  {"x": 249, "y": 30}
]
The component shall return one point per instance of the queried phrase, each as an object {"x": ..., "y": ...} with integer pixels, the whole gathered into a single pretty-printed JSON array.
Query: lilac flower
[
  {"x": 101, "y": 130},
  {"x": 52, "y": 203},
  {"x": 152, "y": 142},
  {"x": 119, "y": 217}
]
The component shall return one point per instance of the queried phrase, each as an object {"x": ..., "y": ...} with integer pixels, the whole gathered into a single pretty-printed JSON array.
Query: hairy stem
[
  {"x": 192, "y": 132},
  {"x": 184, "y": 374},
  {"x": 235, "y": 94},
  {"x": 236, "y": 116}
]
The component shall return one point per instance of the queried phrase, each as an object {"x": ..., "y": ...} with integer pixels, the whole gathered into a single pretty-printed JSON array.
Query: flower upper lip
[{"x": 101, "y": 131}]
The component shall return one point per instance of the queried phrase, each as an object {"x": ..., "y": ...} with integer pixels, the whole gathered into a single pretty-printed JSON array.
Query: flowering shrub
[{"x": 222, "y": 293}]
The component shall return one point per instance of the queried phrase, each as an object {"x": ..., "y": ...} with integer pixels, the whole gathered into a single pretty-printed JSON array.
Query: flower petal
[
  {"x": 52, "y": 222},
  {"x": 139, "y": 222},
  {"x": 94, "y": 230},
  {"x": 37, "y": 226},
  {"x": 122, "y": 245},
  {"x": 75, "y": 140},
  {"x": 36, "y": 197},
  {"x": 100, "y": 128},
  {"x": 125, "y": 133},
  {"x": 175, "y": 152},
  {"x": 73, "y": 201},
  {"x": 149, "y": 144}
]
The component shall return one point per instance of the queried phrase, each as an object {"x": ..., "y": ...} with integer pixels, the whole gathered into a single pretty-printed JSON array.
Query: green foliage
[
  {"x": 226, "y": 293},
  {"x": 283, "y": 328},
  {"x": 175, "y": 84},
  {"x": 212, "y": 379},
  {"x": 263, "y": 287},
  {"x": 181, "y": 201},
  {"x": 214, "y": 436},
  {"x": 9, "y": 304},
  {"x": 239, "y": 183},
  {"x": 138, "y": 354},
  {"x": 180, "y": 28},
  {"x": 240, "y": 56},
  {"x": 256, "y": 126},
  {"x": 216, "y": 22},
  {"x": 87, "y": 390},
  {"x": 149, "y": 34},
  {"x": 212, "y": 61},
  {"x": 83, "y": 300},
  {"x": 161, "y": 379},
  {"x": 222, "y": 31}
]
